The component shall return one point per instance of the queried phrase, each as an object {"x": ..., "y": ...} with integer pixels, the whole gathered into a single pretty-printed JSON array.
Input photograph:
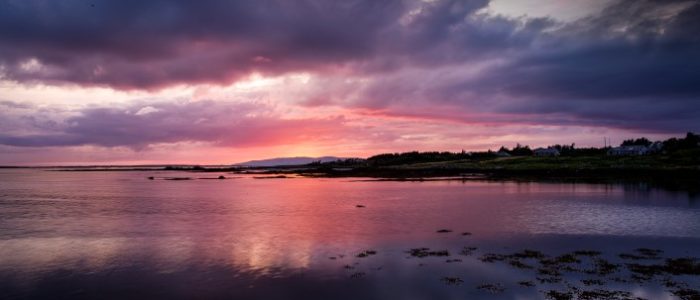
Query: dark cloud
[
  {"x": 138, "y": 126},
  {"x": 150, "y": 44},
  {"x": 633, "y": 49},
  {"x": 634, "y": 65},
  {"x": 137, "y": 44}
]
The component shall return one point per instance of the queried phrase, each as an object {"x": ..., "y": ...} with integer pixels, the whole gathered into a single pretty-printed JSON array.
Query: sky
[{"x": 218, "y": 82}]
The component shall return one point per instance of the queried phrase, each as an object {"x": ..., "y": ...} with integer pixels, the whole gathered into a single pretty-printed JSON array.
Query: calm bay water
[{"x": 119, "y": 235}]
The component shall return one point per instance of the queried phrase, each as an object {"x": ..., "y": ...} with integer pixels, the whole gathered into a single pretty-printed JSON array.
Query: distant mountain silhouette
[{"x": 287, "y": 161}]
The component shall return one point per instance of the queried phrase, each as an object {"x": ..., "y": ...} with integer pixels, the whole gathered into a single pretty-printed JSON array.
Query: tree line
[{"x": 673, "y": 145}]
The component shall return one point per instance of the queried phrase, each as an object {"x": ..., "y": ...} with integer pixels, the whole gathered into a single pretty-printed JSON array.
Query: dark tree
[
  {"x": 520, "y": 150},
  {"x": 638, "y": 142},
  {"x": 691, "y": 141},
  {"x": 389, "y": 159}
]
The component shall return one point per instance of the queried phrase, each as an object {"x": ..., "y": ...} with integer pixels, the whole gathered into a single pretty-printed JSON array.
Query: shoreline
[{"x": 686, "y": 179}]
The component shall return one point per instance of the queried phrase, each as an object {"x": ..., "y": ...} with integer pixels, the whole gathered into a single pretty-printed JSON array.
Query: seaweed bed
[
  {"x": 581, "y": 274},
  {"x": 551, "y": 269}
]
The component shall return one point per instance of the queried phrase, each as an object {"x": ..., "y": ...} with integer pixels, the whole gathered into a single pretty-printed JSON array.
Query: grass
[{"x": 684, "y": 162}]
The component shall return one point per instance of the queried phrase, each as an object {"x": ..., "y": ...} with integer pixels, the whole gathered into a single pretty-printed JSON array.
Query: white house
[
  {"x": 655, "y": 147},
  {"x": 502, "y": 154},
  {"x": 629, "y": 150},
  {"x": 546, "y": 152}
]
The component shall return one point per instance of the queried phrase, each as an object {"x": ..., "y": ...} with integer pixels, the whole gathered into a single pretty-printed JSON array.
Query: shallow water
[{"x": 121, "y": 235}]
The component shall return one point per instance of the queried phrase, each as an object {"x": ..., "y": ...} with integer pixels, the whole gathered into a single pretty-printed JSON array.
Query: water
[{"x": 120, "y": 235}]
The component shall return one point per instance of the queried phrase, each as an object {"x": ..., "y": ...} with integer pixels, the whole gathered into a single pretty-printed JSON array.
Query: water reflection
[{"x": 78, "y": 233}]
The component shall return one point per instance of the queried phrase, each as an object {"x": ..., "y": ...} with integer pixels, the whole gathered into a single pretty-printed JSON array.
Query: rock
[
  {"x": 178, "y": 178},
  {"x": 366, "y": 253},
  {"x": 425, "y": 252}
]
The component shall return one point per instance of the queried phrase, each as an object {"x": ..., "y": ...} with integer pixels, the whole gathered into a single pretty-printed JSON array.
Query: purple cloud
[
  {"x": 634, "y": 65},
  {"x": 140, "y": 125},
  {"x": 136, "y": 44}
]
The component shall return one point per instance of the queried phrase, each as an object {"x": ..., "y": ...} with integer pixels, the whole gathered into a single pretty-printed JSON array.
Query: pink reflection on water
[{"x": 98, "y": 220}]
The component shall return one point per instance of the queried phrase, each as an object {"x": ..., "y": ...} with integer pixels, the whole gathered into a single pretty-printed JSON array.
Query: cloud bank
[
  {"x": 140, "y": 125},
  {"x": 633, "y": 66}
]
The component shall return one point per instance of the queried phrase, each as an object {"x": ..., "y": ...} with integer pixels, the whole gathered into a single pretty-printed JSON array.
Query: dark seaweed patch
[
  {"x": 589, "y": 282},
  {"x": 452, "y": 280},
  {"x": 545, "y": 280},
  {"x": 520, "y": 265},
  {"x": 605, "y": 295},
  {"x": 366, "y": 253},
  {"x": 687, "y": 294},
  {"x": 492, "y": 257},
  {"x": 527, "y": 253},
  {"x": 425, "y": 252},
  {"x": 642, "y": 254},
  {"x": 492, "y": 287},
  {"x": 467, "y": 251},
  {"x": 559, "y": 295},
  {"x": 526, "y": 283},
  {"x": 586, "y": 253},
  {"x": 603, "y": 267}
]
